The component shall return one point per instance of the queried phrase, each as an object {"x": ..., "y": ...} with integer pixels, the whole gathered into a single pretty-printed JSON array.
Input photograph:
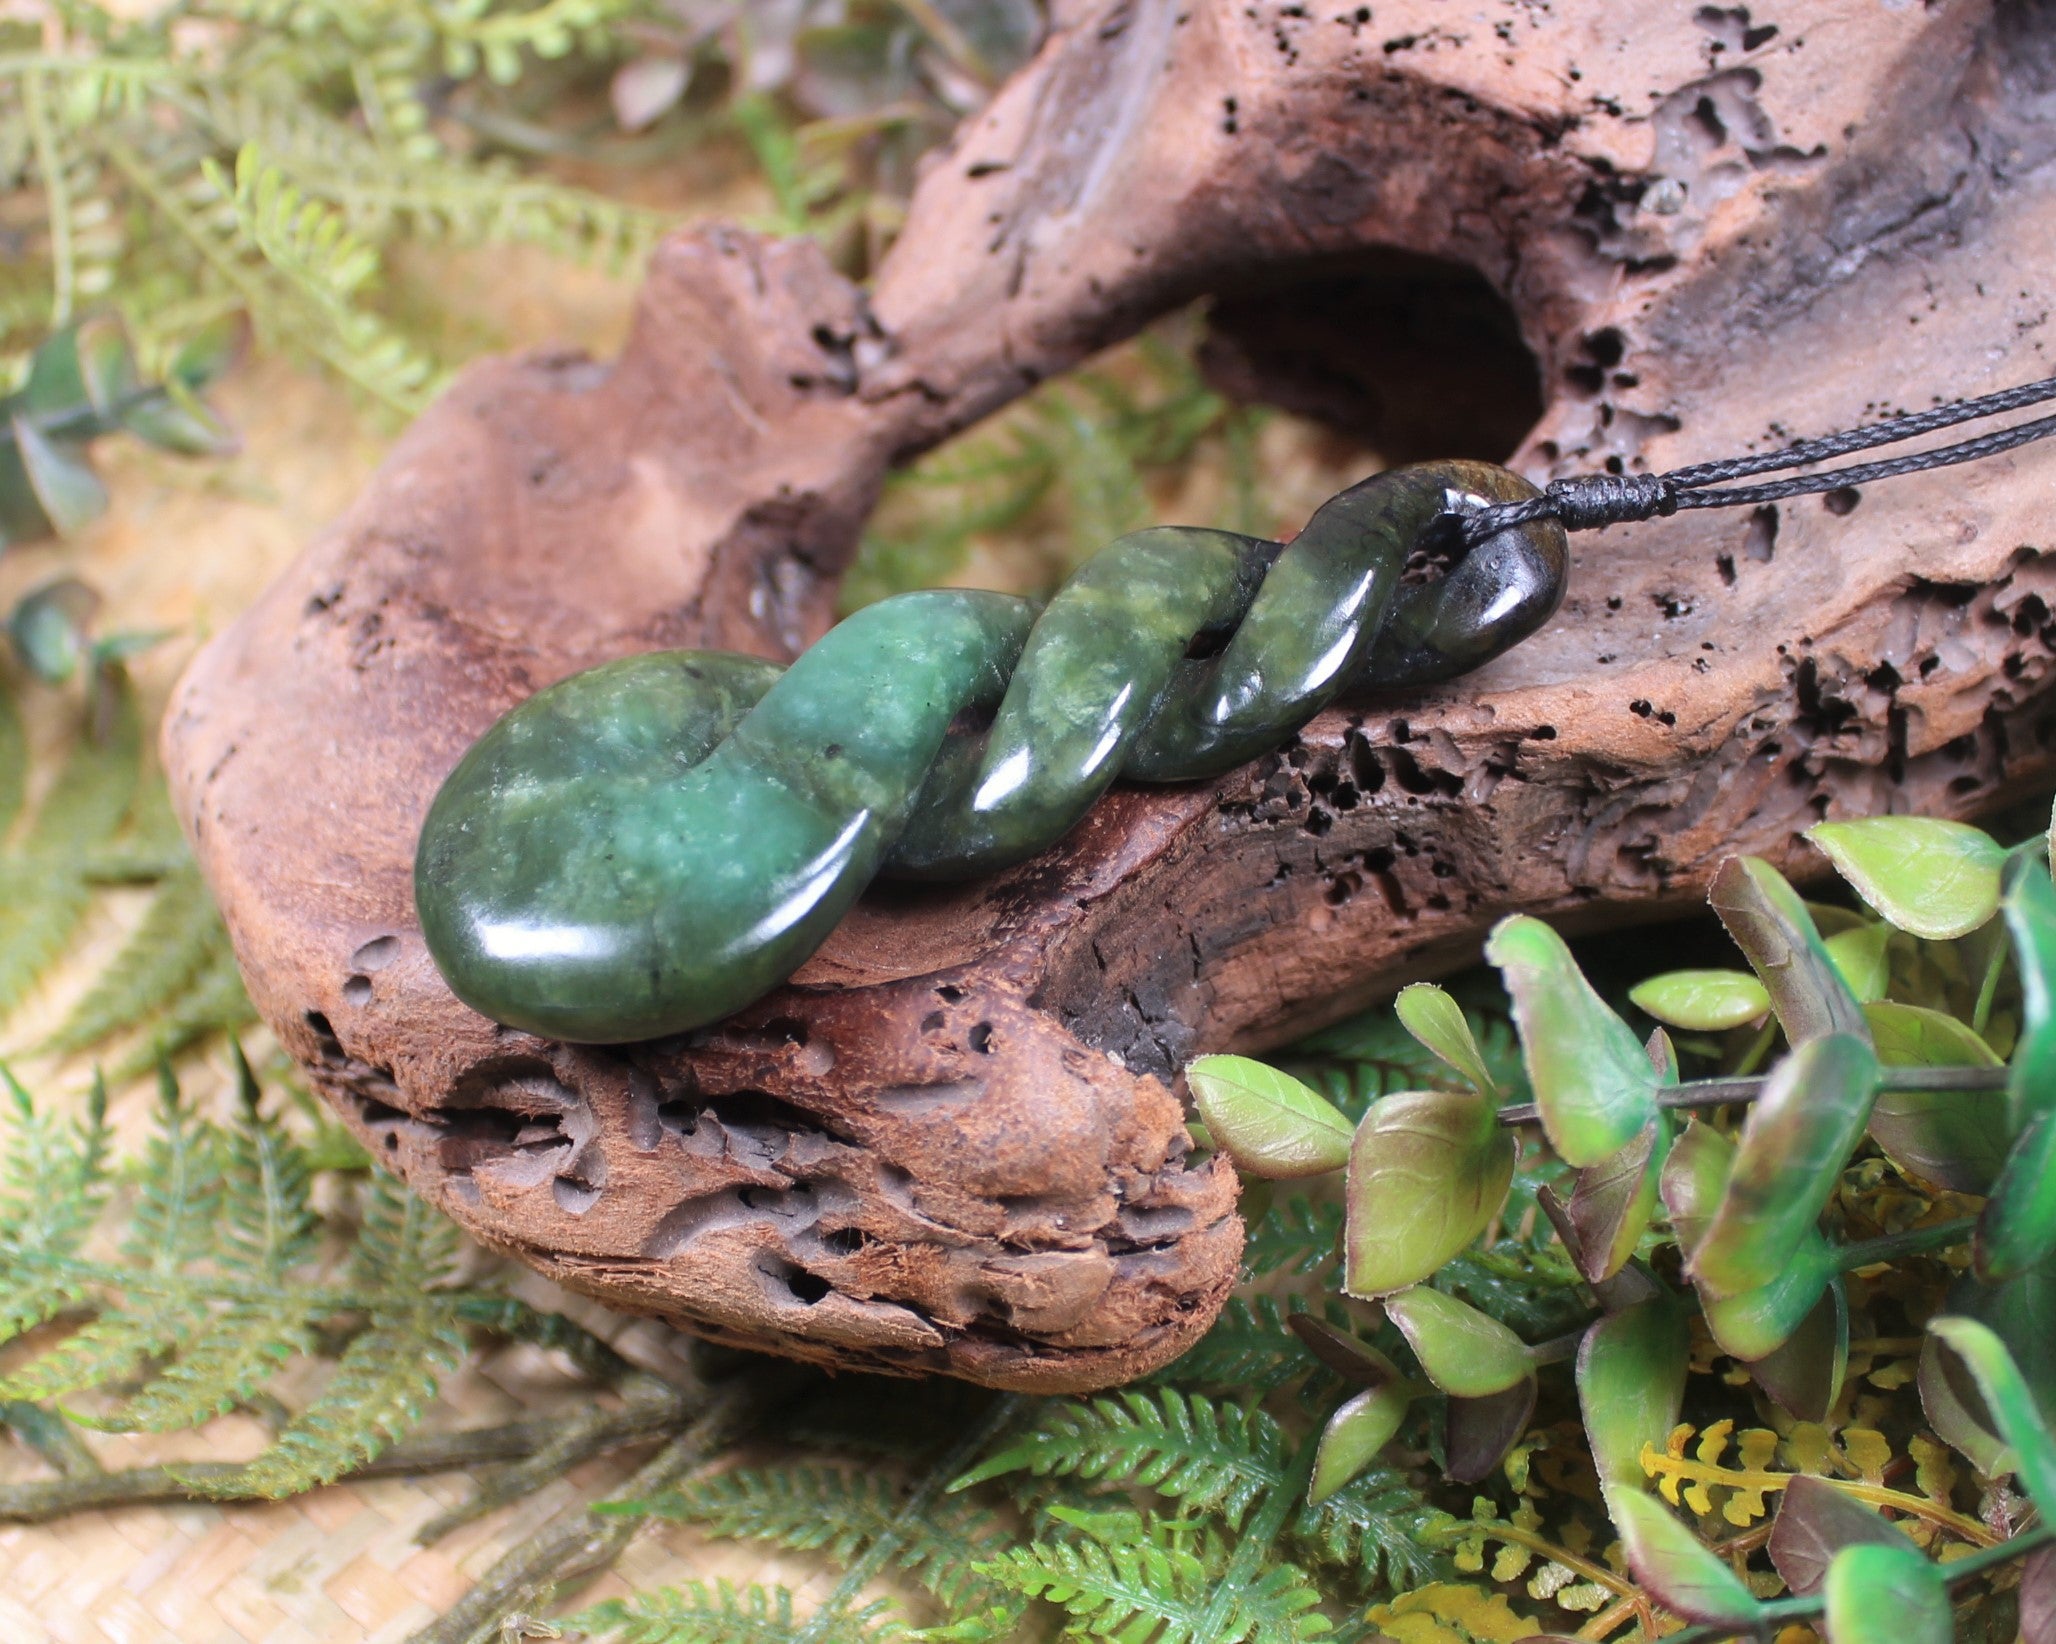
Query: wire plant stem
[
  {"x": 586, "y": 1541},
  {"x": 1779, "y": 1611},
  {"x": 934, "y": 1483},
  {"x": 81, "y": 1490},
  {"x": 1739, "y": 1088}
]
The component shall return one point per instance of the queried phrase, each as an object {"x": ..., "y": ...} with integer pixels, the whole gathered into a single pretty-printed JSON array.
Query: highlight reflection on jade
[{"x": 648, "y": 846}]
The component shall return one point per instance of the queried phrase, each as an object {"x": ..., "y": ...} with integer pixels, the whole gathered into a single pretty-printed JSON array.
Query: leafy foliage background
[{"x": 330, "y": 171}]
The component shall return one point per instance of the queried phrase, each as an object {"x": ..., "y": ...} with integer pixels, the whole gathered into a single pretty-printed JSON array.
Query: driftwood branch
[{"x": 954, "y": 1143}]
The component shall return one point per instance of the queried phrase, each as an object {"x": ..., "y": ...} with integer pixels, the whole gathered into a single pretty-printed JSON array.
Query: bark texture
[{"x": 953, "y": 1143}]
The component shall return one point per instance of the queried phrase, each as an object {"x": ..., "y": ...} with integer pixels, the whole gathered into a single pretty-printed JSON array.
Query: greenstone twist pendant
[{"x": 648, "y": 846}]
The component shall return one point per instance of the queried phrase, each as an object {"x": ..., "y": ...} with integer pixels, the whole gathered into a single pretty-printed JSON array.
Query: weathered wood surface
[{"x": 953, "y": 1144}]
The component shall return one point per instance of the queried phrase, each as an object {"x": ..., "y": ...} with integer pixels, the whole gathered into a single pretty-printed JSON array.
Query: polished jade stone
[
  {"x": 613, "y": 861},
  {"x": 647, "y": 847}
]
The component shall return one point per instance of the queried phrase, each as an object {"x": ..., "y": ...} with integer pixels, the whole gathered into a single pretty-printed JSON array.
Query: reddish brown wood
[{"x": 953, "y": 1143}]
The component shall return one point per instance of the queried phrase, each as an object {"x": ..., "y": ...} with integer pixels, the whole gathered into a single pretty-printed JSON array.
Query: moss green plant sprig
[{"x": 1734, "y": 1228}]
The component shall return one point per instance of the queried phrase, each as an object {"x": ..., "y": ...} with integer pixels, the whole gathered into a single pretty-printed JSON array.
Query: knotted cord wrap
[
  {"x": 648, "y": 846},
  {"x": 1588, "y": 502}
]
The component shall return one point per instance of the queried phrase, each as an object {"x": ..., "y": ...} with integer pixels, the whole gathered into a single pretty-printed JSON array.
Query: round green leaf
[
  {"x": 1677, "y": 1568},
  {"x": 72, "y": 495},
  {"x": 1754, "y": 1324},
  {"x": 1269, "y": 1123},
  {"x": 1694, "y": 1176},
  {"x": 1354, "y": 1436},
  {"x": 2031, "y": 922},
  {"x": 1805, "y": 1372},
  {"x": 1702, "y": 1001},
  {"x": 1427, "y": 1171},
  {"x": 1631, "y": 1385},
  {"x": 1956, "y": 1411},
  {"x": 1956, "y": 1139},
  {"x": 1934, "y": 878},
  {"x": 1816, "y": 1521},
  {"x": 1348, "y": 1355},
  {"x": 1478, "y": 1433},
  {"x": 1886, "y": 1592},
  {"x": 1774, "y": 931},
  {"x": 1860, "y": 956},
  {"x": 1437, "y": 1020},
  {"x": 1593, "y": 1084},
  {"x": 1797, "y": 1139},
  {"x": 1612, "y": 1202},
  {"x": 1462, "y": 1351},
  {"x": 2032, "y": 1452},
  {"x": 2017, "y": 1231},
  {"x": 49, "y": 628}
]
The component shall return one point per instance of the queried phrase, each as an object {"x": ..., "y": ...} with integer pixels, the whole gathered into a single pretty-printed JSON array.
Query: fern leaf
[
  {"x": 14, "y": 762},
  {"x": 382, "y": 1381},
  {"x": 52, "y": 1184},
  {"x": 43, "y": 890},
  {"x": 214, "y": 1002},
  {"x": 1279, "y": 1607},
  {"x": 1377, "y": 1525},
  {"x": 270, "y": 1226},
  {"x": 110, "y": 1349},
  {"x": 1139, "y": 1592},
  {"x": 95, "y": 786},
  {"x": 842, "y": 1513},
  {"x": 172, "y": 1226},
  {"x": 178, "y": 937},
  {"x": 1298, "y": 1236},
  {"x": 1250, "y": 1348},
  {"x": 41, "y": 904},
  {"x": 723, "y": 1614},
  {"x": 1186, "y": 1446},
  {"x": 238, "y": 1350}
]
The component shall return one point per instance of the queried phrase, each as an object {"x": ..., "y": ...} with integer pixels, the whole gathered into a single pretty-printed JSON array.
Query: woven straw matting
[{"x": 186, "y": 546}]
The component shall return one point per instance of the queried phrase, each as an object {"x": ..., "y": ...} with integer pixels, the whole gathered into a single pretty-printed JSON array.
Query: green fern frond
[
  {"x": 1203, "y": 1453},
  {"x": 843, "y": 1513},
  {"x": 381, "y": 1383},
  {"x": 95, "y": 787},
  {"x": 171, "y": 1227},
  {"x": 43, "y": 889},
  {"x": 1279, "y": 1607},
  {"x": 52, "y": 1183},
  {"x": 270, "y": 1223},
  {"x": 1296, "y": 1236},
  {"x": 179, "y": 935},
  {"x": 1378, "y": 1526},
  {"x": 213, "y": 1003},
  {"x": 1138, "y": 1592},
  {"x": 1250, "y": 1347},
  {"x": 697, "y": 1613}
]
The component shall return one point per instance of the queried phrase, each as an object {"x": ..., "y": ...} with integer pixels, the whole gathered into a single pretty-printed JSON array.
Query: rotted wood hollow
[{"x": 953, "y": 1143}]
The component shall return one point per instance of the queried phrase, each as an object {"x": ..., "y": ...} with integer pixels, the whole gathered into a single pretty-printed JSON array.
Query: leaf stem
[
  {"x": 1913, "y": 1241},
  {"x": 934, "y": 1483},
  {"x": 1739, "y": 1088},
  {"x": 41, "y": 1500},
  {"x": 56, "y": 198},
  {"x": 1254, "y": 1545},
  {"x": 1775, "y": 1612},
  {"x": 584, "y": 1542}
]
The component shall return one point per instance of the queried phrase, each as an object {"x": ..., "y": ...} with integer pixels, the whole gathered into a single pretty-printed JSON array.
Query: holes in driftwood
[
  {"x": 376, "y": 954},
  {"x": 357, "y": 991},
  {"x": 1415, "y": 356},
  {"x": 907, "y": 1100}
]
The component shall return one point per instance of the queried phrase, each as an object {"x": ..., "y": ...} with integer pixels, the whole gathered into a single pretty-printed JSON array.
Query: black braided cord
[{"x": 1586, "y": 502}]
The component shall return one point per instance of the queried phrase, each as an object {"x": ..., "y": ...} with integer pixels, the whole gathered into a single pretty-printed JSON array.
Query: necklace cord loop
[{"x": 1589, "y": 502}]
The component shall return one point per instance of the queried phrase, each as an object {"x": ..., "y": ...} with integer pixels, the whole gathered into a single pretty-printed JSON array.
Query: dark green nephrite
[{"x": 648, "y": 846}]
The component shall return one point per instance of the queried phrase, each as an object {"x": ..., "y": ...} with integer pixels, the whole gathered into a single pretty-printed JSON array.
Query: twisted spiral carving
[{"x": 648, "y": 846}]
